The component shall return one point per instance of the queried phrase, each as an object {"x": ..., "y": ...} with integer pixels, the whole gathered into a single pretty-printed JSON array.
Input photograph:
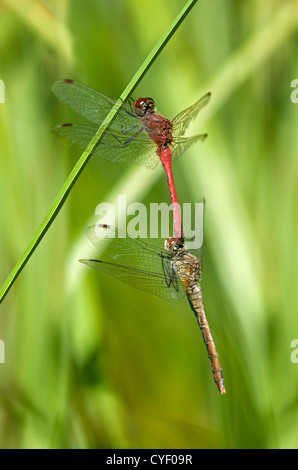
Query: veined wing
[
  {"x": 114, "y": 146},
  {"x": 92, "y": 104},
  {"x": 148, "y": 281},
  {"x": 135, "y": 262},
  {"x": 180, "y": 144},
  {"x": 122, "y": 249},
  {"x": 182, "y": 120}
]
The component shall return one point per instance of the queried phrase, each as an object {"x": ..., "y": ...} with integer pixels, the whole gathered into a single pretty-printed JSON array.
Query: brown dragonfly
[{"x": 170, "y": 273}]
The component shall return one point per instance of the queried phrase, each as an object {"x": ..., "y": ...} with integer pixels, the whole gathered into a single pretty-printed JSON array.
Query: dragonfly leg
[
  {"x": 169, "y": 273},
  {"x": 131, "y": 112},
  {"x": 122, "y": 144},
  {"x": 125, "y": 131}
]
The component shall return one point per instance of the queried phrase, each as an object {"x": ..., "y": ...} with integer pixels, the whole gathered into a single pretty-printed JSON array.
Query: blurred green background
[{"x": 94, "y": 363}]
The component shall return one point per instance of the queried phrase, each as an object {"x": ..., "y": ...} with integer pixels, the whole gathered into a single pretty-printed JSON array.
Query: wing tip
[
  {"x": 57, "y": 84},
  {"x": 88, "y": 261},
  {"x": 64, "y": 124}
]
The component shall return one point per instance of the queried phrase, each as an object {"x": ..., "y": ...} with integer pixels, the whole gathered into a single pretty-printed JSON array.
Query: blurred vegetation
[{"x": 87, "y": 365}]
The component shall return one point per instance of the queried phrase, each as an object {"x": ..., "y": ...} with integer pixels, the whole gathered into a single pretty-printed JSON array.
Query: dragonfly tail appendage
[{"x": 195, "y": 298}]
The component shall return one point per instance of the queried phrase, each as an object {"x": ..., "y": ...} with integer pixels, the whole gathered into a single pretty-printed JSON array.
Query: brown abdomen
[{"x": 195, "y": 298}]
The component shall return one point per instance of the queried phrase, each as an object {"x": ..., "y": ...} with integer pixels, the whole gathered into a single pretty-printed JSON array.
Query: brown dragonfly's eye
[{"x": 172, "y": 245}]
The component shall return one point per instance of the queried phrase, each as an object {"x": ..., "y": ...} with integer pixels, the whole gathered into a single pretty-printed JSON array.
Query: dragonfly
[
  {"x": 169, "y": 273},
  {"x": 137, "y": 135}
]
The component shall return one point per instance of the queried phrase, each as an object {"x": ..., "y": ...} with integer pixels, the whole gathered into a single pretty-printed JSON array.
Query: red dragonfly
[
  {"x": 170, "y": 274},
  {"x": 137, "y": 135}
]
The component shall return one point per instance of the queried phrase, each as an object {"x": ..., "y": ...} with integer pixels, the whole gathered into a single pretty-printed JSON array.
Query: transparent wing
[
  {"x": 92, "y": 104},
  {"x": 125, "y": 141},
  {"x": 180, "y": 144},
  {"x": 143, "y": 280},
  {"x": 135, "y": 262},
  {"x": 182, "y": 120},
  {"x": 128, "y": 149},
  {"x": 122, "y": 249}
]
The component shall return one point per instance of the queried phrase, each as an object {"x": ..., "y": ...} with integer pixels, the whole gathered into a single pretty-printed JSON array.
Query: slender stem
[{"x": 75, "y": 173}]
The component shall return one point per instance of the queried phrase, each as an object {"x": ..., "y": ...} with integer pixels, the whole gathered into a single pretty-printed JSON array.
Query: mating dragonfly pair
[{"x": 140, "y": 136}]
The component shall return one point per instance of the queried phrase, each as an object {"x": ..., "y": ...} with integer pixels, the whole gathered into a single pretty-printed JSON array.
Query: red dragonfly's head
[{"x": 144, "y": 106}]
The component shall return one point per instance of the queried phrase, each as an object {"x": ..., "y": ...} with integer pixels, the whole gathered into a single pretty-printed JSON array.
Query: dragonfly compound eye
[
  {"x": 172, "y": 245},
  {"x": 150, "y": 105},
  {"x": 144, "y": 106}
]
